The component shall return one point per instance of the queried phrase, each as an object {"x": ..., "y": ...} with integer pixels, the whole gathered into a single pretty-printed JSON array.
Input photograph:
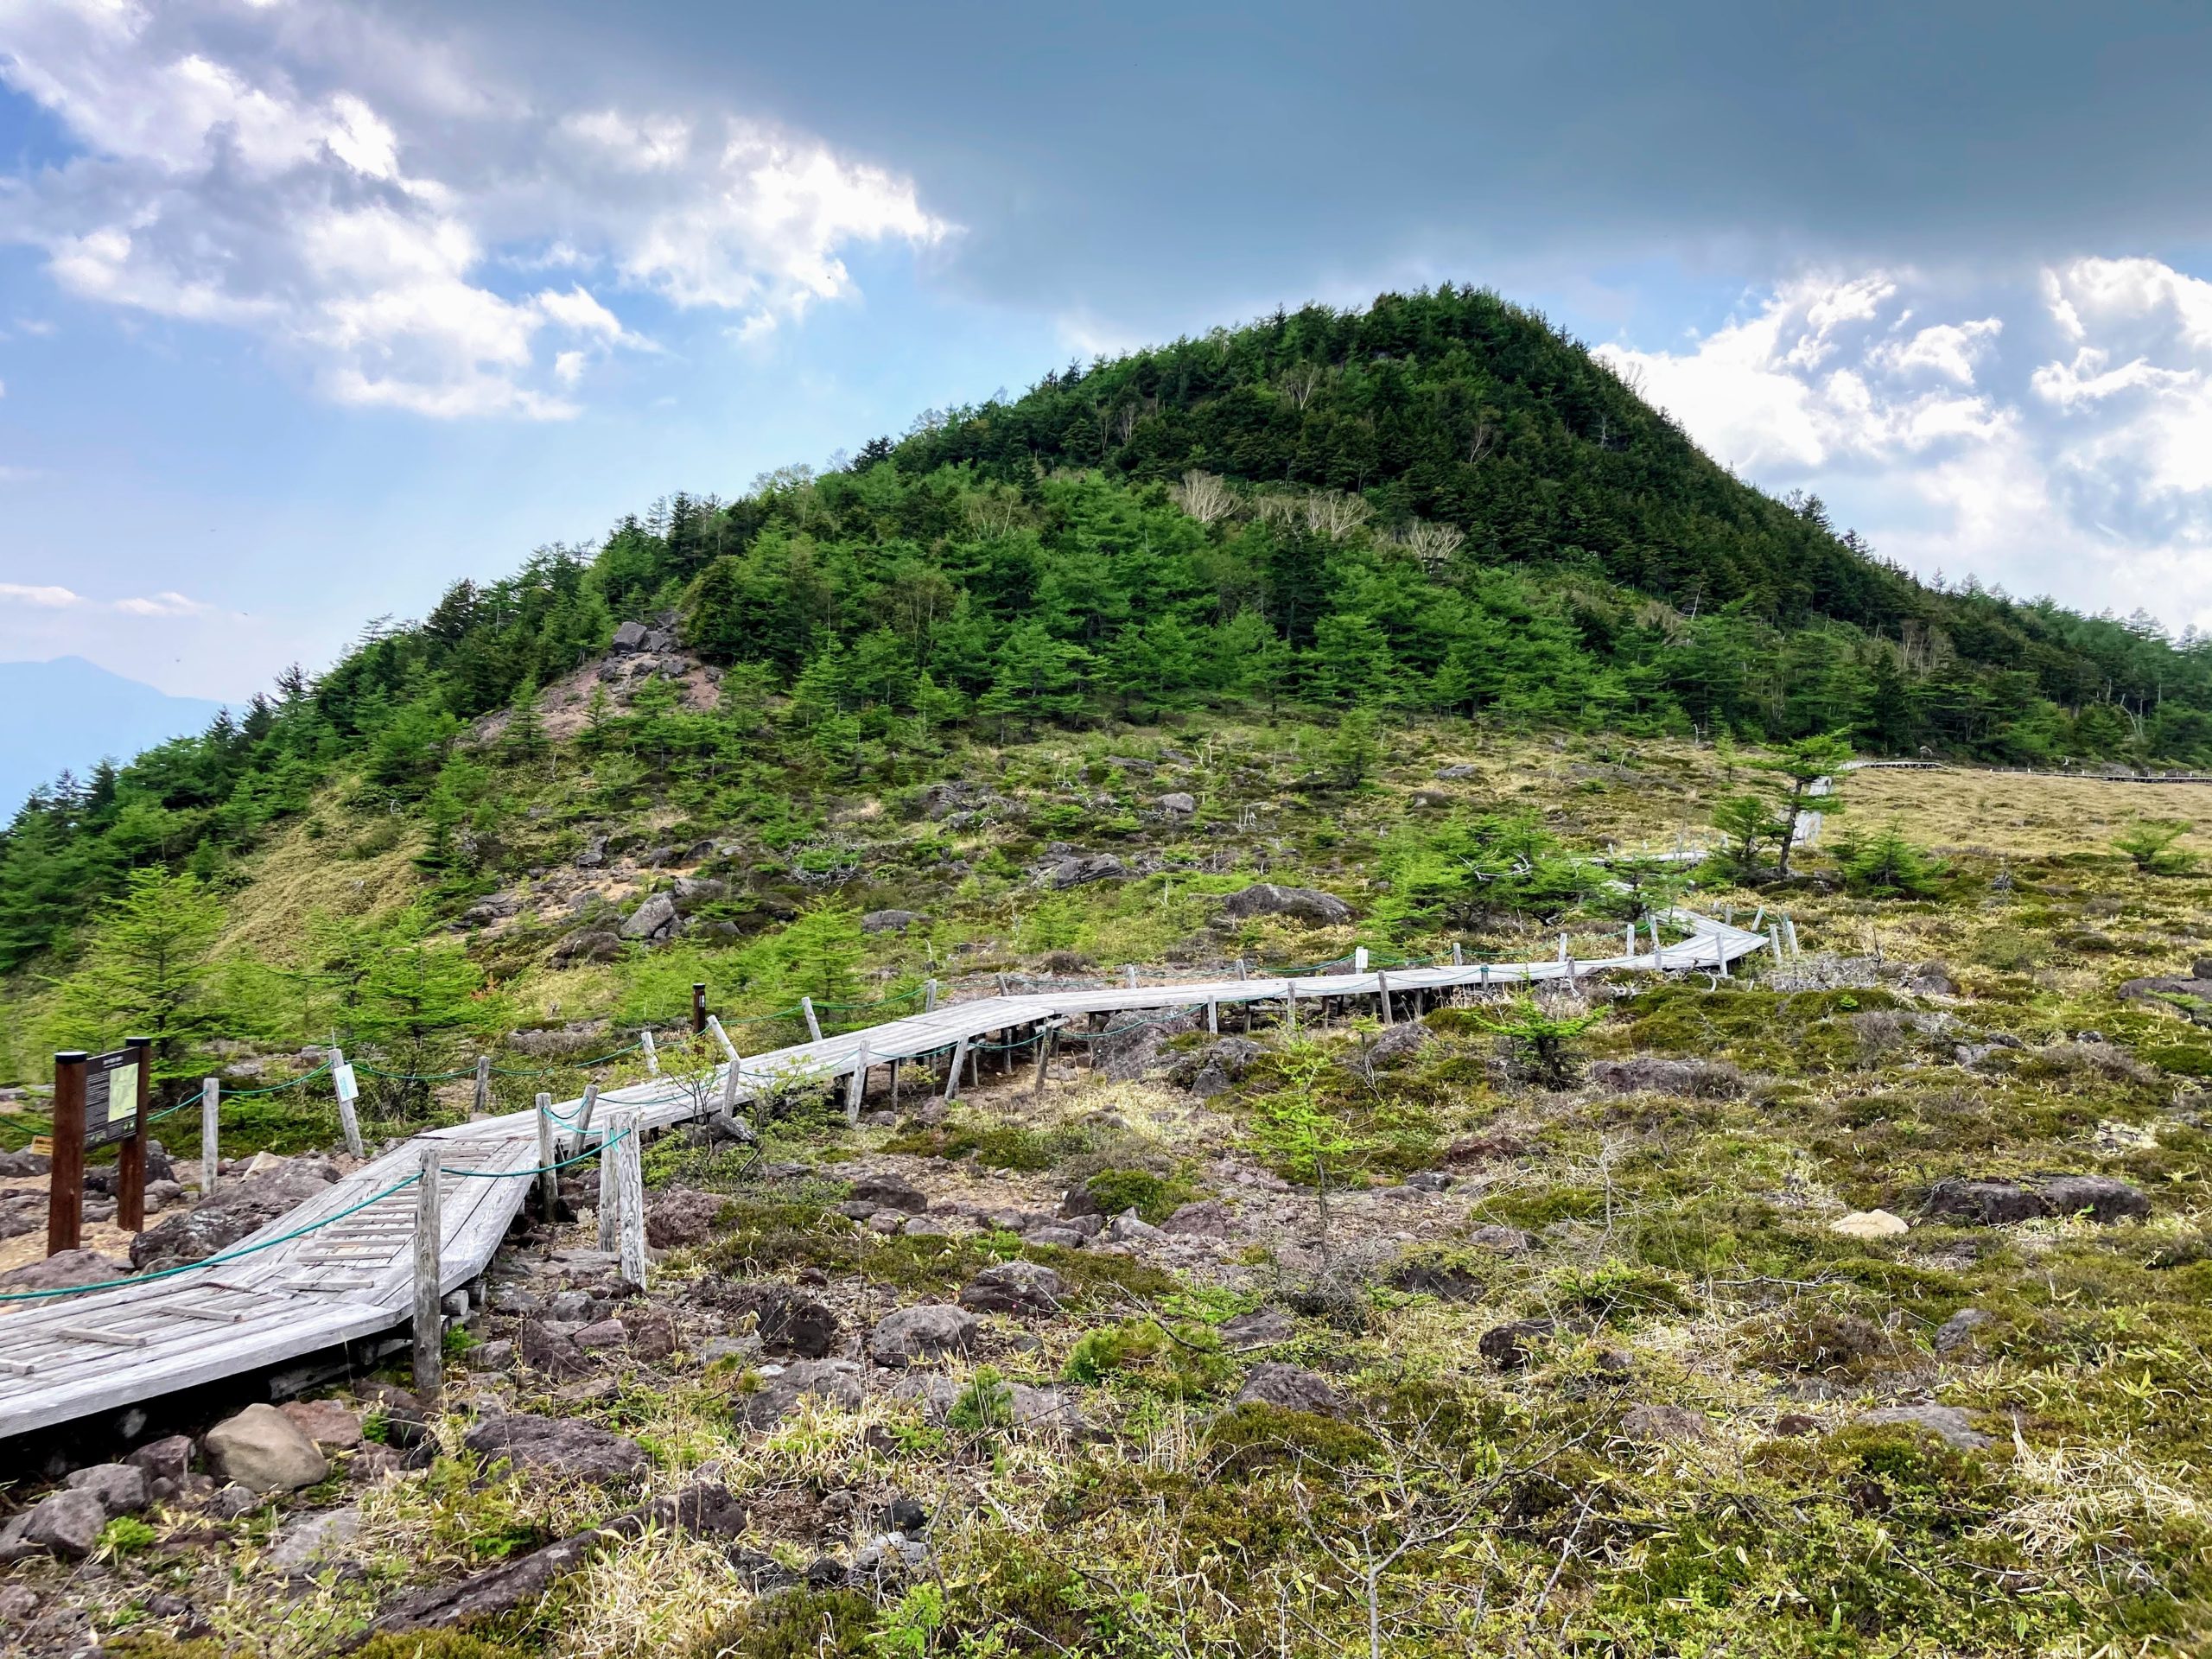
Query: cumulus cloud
[
  {"x": 44, "y": 598},
  {"x": 2053, "y": 436},
  {"x": 376, "y": 203}
]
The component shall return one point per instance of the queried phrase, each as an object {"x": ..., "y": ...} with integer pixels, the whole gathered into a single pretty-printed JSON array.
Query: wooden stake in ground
[
  {"x": 65, "y": 1191},
  {"x": 342, "y": 1084},
  {"x": 548, "y": 1183},
  {"x": 652, "y": 1053},
  {"x": 430, "y": 1315},
  {"x": 480, "y": 1105},
  {"x": 1047, "y": 1040},
  {"x": 211, "y": 1114}
]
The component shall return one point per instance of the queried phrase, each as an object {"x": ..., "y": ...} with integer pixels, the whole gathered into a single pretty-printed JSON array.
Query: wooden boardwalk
[{"x": 335, "y": 1280}]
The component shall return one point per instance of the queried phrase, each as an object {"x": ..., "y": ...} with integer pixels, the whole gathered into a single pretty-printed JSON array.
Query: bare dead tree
[
  {"x": 1203, "y": 496},
  {"x": 1335, "y": 514},
  {"x": 1481, "y": 440},
  {"x": 1280, "y": 508},
  {"x": 1432, "y": 545},
  {"x": 1300, "y": 383}
]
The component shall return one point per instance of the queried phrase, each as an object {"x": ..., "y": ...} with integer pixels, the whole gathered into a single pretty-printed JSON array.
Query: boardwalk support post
[
  {"x": 813, "y": 1025},
  {"x": 1213, "y": 1017},
  {"x": 629, "y": 1197},
  {"x": 548, "y": 1183},
  {"x": 856, "y": 1086},
  {"x": 1047, "y": 1040},
  {"x": 1383, "y": 996},
  {"x": 953, "y": 1071},
  {"x": 211, "y": 1114},
  {"x": 429, "y": 1316}
]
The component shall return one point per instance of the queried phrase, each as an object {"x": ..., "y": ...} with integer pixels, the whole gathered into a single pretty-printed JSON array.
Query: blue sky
[{"x": 307, "y": 309}]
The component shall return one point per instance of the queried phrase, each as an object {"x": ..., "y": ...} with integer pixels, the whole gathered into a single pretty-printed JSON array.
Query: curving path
[{"x": 340, "y": 1267}]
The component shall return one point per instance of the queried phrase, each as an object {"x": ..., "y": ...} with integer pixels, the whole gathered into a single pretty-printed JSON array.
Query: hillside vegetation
[{"x": 1853, "y": 1305}]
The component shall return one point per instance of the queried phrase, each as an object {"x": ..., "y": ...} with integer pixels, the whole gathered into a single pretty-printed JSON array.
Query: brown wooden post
[
  {"x": 130, "y": 1154},
  {"x": 65, "y": 1202},
  {"x": 698, "y": 1008},
  {"x": 429, "y": 1331}
]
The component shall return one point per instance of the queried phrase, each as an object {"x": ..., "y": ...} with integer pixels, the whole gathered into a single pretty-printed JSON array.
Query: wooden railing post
[
  {"x": 953, "y": 1071},
  {"x": 342, "y": 1084},
  {"x": 211, "y": 1117},
  {"x": 652, "y": 1054},
  {"x": 698, "y": 1008},
  {"x": 65, "y": 1200},
  {"x": 610, "y": 1189},
  {"x": 548, "y": 1182},
  {"x": 430, "y": 1292},
  {"x": 813, "y": 1025},
  {"x": 481, "y": 1105},
  {"x": 856, "y": 1086}
]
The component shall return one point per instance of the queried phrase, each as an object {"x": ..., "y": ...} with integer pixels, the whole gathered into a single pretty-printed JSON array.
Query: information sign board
[{"x": 112, "y": 1096}]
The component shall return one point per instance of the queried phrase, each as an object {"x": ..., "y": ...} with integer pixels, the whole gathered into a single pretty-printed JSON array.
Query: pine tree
[{"x": 145, "y": 972}]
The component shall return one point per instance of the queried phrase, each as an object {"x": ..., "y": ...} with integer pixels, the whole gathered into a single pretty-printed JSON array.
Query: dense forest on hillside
[{"x": 1436, "y": 506}]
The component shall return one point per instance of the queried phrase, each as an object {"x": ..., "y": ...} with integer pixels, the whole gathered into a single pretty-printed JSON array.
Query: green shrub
[
  {"x": 796, "y": 1625},
  {"x": 1177, "y": 1364},
  {"x": 1253, "y": 1436},
  {"x": 1154, "y": 1198}
]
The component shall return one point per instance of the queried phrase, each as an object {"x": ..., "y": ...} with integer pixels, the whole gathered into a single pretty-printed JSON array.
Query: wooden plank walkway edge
[{"x": 67, "y": 1357}]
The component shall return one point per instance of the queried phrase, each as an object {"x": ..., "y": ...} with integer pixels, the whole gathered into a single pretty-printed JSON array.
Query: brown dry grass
[{"x": 2017, "y": 815}]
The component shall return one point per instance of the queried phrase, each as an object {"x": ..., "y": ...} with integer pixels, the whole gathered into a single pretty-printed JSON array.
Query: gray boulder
[
  {"x": 167, "y": 1458},
  {"x": 693, "y": 891},
  {"x": 1993, "y": 1202},
  {"x": 65, "y": 1523},
  {"x": 1957, "y": 1331},
  {"x": 1291, "y": 1388},
  {"x": 653, "y": 920},
  {"x": 837, "y": 1380},
  {"x": 1304, "y": 904},
  {"x": 678, "y": 1215},
  {"x": 263, "y": 1450},
  {"x": 1263, "y": 1328},
  {"x": 1947, "y": 1422},
  {"x": 1178, "y": 805},
  {"x": 890, "y": 921},
  {"x": 930, "y": 1332},
  {"x": 790, "y": 1323},
  {"x": 307, "y": 1540},
  {"x": 1013, "y": 1288},
  {"x": 120, "y": 1488},
  {"x": 65, "y": 1271},
  {"x": 1203, "y": 1218},
  {"x": 1130, "y": 1228},
  {"x": 558, "y": 1445},
  {"x": 887, "y": 1192},
  {"x": 1077, "y": 872},
  {"x": 631, "y": 636}
]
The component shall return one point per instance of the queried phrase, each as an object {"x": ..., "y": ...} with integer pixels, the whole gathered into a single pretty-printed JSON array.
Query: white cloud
[
  {"x": 163, "y": 604},
  {"x": 45, "y": 599},
  {"x": 353, "y": 192},
  {"x": 2062, "y": 447}
]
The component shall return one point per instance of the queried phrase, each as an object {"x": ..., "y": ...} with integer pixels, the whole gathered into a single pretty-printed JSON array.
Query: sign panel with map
[{"x": 112, "y": 1096}]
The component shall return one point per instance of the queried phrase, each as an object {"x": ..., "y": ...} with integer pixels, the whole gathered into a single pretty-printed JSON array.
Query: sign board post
[
  {"x": 65, "y": 1202},
  {"x": 130, "y": 1152}
]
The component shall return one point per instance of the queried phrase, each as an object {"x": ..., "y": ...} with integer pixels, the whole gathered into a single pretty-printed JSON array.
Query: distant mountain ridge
[{"x": 66, "y": 713}]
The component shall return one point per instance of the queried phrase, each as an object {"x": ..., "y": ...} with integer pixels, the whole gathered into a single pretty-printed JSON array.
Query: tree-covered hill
[{"x": 1435, "y": 508}]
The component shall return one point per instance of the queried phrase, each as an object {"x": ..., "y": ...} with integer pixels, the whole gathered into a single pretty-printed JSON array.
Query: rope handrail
[{"x": 220, "y": 1257}]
